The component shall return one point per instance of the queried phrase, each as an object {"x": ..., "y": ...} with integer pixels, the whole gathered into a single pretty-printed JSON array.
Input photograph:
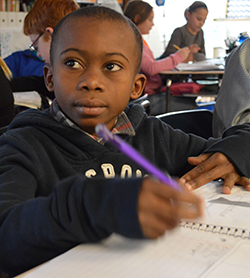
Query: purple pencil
[{"x": 102, "y": 131}]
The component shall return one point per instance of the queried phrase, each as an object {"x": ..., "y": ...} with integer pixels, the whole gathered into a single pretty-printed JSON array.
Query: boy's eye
[
  {"x": 73, "y": 64},
  {"x": 112, "y": 67}
]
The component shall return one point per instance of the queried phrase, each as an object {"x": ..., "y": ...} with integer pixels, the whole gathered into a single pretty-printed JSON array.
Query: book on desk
[
  {"x": 216, "y": 246},
  {"x": 208, "y": 73},
  {"x": 205, "y": 65},
  {"x": 29, "y": 99}
]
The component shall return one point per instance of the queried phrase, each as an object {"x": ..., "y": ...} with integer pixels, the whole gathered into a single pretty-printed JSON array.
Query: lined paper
[
  {"x": 184, "y": 253},
  {"x": 192, "y": 250}
]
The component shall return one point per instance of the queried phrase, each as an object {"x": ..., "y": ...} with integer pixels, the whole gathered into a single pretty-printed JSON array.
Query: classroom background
[{"x": 216, "y": 28}]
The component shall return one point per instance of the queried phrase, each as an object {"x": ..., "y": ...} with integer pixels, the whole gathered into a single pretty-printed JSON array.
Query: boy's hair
[
  {"x": 47, "y": 13},
  {"x": 102, "y": 14},
  {"x": 140, "y": 8},
  {"x": 196, "y": 5}
]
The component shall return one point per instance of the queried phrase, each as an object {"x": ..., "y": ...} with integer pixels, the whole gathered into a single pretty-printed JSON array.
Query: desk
[
  {"x": 213, "y": 247},
  {"x": 177, "y": 75}
]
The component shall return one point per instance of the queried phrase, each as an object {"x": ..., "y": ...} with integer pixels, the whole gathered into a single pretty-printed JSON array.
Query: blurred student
[
  {"x": 41, "y": 20},
  {"x": 39, "y": 24},
  {"x": 232, "y": 105},
  {"x": 142, "y": 15},
  {"x": 61, "y": 185},
  {"x": 191, "y": 34},
  {"x": 6, "y": 96},
  {"x": 24, "y": 63}
]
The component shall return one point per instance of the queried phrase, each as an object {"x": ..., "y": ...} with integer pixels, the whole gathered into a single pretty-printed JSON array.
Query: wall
[
  {"x": 167, "y": 18},
  {"x": 171, "y": 15}
]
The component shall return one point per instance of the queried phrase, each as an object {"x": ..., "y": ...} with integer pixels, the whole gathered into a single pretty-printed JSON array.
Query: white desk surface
[
  {"x": 185, "y": 252},
  {"x": 205, "y": 72}
]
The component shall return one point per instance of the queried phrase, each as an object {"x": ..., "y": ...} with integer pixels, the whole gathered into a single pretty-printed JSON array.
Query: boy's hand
[
  {"x": 161, "y": 208},
  {"x": 211, "y": 167},
  {"x": 194, "y": 48}
]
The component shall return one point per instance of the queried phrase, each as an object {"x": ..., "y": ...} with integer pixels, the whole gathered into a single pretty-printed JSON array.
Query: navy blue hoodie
[{"x": 59, "y": 187}]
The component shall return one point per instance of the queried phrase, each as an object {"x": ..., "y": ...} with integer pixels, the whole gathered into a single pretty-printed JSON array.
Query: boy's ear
[
  {"x": 139, "y": 84},
  {"x": 48, "y": 77}
]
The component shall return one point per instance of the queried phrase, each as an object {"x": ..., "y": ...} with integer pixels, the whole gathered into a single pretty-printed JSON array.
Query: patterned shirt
[{"x": 122, "y": 125}]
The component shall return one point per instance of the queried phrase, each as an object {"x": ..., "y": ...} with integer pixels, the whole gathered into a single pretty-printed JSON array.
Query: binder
[
  {"x": 12, "y": 19},
  {"x": 2, "y": 5},
  {"x": 20, "y": 18},
  {"x": 3, "y": 19}
]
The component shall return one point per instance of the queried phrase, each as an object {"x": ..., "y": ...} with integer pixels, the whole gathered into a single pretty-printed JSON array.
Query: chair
[
  {"x": 144, "y": 102},
  {"x": 198, "y": 122}
]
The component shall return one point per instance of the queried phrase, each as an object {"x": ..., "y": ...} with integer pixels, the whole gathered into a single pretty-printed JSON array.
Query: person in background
[
  {"x": 24, "y": 63},
  {"x": 61, "y": 185},
  {"x": 142, "y": 15},
  {"x": 38, "y": 25},
  {"x": 6, "y": 96},
  {"x": 232, "y": 105},
  {"x": 41, "y": 20},
  {"x": 191, "y": 34}
]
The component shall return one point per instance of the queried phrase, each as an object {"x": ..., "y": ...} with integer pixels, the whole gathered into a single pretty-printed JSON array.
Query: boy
[
  {"x": 60, "y": 185},
  {"x": 42, "y": 19}
]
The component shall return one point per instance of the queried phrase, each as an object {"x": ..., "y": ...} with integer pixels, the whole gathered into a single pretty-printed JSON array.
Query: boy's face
[
  {"x": 42, "y": 45},
  {"x": 93, "y": 74}
]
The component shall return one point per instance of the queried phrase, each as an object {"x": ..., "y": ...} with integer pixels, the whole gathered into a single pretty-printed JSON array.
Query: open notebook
[
  {"x": 206, "y": 65},
  {"x": 30, "y": 99},
  {"x": 217, "y": 246}
]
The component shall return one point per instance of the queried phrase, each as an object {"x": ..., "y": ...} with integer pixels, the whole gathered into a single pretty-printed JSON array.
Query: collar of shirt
[
  {"x": 122, "y": 125},
  {"x": 145, "y": 42}
]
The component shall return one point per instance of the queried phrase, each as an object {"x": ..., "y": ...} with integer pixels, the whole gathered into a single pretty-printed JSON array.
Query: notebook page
[
  {"x": 183, "y": 253},
  {"x": 235, "y": 264},
  {"x": 29, "y": 99},
  {"x": 231, "y": 210}
]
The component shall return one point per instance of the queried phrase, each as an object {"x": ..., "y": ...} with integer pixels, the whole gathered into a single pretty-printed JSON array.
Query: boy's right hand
[
  {"x": 161, "y": 207},
  {"x": 184, "y": 52}
]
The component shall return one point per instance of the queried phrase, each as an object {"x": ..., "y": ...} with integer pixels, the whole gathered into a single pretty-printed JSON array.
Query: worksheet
[
  {"x": 217, "y": 245},
  {"x": 231, "y": 210}
]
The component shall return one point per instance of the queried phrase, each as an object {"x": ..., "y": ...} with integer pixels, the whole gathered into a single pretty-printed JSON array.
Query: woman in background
[
  {"x": 142, "y": 14},
  {"x": 190, "y": 34}
]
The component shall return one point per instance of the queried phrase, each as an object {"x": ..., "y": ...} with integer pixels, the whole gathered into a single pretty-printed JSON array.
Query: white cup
[{"x": 219, "y": 52}]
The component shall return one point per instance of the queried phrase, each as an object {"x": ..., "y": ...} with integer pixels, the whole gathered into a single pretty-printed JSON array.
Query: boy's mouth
[{"x": 91, "y": 107}]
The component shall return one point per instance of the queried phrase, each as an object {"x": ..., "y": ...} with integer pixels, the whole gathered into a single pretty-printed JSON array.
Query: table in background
[{"x": 205, "y": 75}]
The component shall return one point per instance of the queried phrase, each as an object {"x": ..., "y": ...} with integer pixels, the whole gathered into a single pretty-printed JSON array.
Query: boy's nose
[{"x": 91, "y": 81}]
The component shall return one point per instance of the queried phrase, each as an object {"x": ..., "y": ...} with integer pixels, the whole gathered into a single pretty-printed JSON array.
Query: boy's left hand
[{"x": 211, "y": 167}]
